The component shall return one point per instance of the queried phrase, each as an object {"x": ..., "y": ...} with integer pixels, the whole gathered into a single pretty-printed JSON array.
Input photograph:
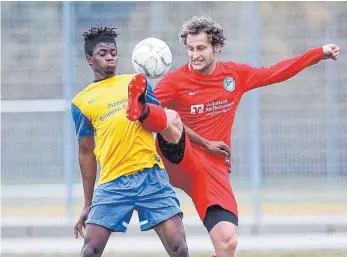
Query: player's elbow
[{"x": 86, "y": 156}]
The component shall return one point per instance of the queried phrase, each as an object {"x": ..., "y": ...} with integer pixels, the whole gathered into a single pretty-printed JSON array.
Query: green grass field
[{"x": 240, "y": 254}]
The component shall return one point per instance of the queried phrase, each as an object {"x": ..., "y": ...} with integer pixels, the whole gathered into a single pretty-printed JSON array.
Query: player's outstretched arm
[{"x": 258, "y": 77}]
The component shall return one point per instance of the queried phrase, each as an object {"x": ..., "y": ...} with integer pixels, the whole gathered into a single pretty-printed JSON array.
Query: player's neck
[{"x": 99, "y": 76}]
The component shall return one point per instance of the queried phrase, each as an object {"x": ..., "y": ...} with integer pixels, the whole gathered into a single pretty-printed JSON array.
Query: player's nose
[
  {"x": 110, "y": 57},
  {"x": 195, "y": 57}
]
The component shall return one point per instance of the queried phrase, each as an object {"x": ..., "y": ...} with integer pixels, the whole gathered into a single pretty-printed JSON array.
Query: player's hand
[
  {"x": 331, "y": 51},
  {"x": 80, "y": 225},
  {"x": 218, "y": 148}
]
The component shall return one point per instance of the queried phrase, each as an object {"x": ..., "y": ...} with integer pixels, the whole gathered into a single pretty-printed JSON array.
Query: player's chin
[
  {"x": 198, "y": 67},
  {"x": 111, "y": 69}
]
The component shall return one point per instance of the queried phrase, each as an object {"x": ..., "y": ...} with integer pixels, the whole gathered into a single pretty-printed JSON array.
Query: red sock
[{"x": 153, "y": 118}]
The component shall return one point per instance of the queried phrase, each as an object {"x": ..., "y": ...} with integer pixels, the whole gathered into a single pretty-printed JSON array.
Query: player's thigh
[
  {"x": 95, "y": 239},
  {"x": 156, "y": 201},
  {"x": 112, "y": 205},
  {"x": 221, "y": 224},
  {"x": 171, "y": 233},
  {"x": 170, "y": 228}
]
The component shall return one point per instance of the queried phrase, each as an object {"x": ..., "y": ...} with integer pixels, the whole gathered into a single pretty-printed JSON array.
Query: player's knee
[
  {"x": 228, "y": 244},
  {"x": 178, "y": 246},
  {"x": 90, "y": 250}
]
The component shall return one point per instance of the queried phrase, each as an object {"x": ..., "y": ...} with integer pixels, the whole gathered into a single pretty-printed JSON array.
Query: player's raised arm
[
  {"x": 258, "y": 77},
  {"x": 87, "y": 162}
]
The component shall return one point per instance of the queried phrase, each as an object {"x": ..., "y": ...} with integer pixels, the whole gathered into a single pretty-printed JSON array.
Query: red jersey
[{"x": 207, "y": 103}]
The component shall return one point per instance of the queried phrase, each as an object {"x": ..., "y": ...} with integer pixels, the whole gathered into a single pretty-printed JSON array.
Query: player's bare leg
[
  {"x": 95, "y": 240},
  {"x": 172, "y": 235},
  {"x": 224, "y": 239},
  {"x": 153, "y": 117}
]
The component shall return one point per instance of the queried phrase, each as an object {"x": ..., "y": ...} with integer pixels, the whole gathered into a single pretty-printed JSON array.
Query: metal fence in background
[{"x": 292, "y": 135}]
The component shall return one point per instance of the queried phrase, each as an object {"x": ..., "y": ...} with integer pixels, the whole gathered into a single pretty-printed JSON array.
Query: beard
[
  {"x": 110, "y": 70},
  {"x": 204, "y": 67}
]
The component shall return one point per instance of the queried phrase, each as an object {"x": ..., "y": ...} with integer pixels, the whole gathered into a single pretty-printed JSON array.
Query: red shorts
[{"x": 204, "y": 177}]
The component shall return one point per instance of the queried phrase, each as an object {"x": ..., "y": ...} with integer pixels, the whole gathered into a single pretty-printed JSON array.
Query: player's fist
[{"x": 331, "y": 51}]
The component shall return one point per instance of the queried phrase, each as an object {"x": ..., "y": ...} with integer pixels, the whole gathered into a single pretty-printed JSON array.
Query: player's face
[
  {"x": 201, "y": 53},
  {"x": 104, "y": 59}
]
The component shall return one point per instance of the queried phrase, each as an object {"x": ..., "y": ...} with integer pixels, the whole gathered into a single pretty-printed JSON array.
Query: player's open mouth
[{"x": 198, "y": 62}]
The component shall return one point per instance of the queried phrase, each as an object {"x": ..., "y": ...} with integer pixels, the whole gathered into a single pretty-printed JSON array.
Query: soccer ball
[{"x": 151, "y": 57}]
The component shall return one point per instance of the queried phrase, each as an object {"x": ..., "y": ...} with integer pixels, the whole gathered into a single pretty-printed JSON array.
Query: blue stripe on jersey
[
  {"x": 82, "y": 124},
  {"x": 150, "y": 97}
]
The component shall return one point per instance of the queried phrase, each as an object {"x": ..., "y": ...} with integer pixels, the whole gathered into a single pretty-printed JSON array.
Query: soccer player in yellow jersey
[{"x": 132, "y": 175}]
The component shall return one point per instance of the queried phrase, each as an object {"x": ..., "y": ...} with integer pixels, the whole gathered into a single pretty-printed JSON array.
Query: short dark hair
[
  {"x": 196, "y": 25},
  {"x": 96, "y": 35}
]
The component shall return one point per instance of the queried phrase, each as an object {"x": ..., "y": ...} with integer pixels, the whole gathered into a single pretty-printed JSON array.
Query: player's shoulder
[
  {"x": 80, "y": 95},
  {"x": 177, "y": 73},
  {"x": 227, "y": 65},
  {"x": 181, "y": 70},
  {"x": 231, "y": 67}
]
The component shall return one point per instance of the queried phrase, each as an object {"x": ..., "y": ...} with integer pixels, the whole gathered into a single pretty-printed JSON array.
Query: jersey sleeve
[
  {"x": 165, "y": 92},
  {"x": 150, "y": 96},
  {"x": 253, "y": 77},
  {"x": 83, "y": 126}
]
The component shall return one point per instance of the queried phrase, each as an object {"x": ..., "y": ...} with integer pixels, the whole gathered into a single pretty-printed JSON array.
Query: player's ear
[
  {"x": 217, "y": 48},
  {"x": 89, "y": 60}
]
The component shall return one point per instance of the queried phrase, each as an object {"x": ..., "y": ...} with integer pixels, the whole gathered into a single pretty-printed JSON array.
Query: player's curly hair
[
  {"x": 198, "y": 24},
  {"x": 96, "y": 35}
]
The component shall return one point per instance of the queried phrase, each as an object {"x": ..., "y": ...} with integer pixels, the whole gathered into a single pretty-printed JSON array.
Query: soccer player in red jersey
[{"x": 203, "y": 95}]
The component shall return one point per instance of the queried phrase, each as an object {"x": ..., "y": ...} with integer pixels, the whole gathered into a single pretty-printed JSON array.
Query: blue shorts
[{"x": 148, "y": 192}]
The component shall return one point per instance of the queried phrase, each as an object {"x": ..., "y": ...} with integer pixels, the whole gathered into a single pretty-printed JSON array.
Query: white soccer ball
[{"x": 151, "y": 57}]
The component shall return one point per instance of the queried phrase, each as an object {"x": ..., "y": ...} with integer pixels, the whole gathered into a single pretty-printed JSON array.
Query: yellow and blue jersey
[{"x": 122, "y": 147}]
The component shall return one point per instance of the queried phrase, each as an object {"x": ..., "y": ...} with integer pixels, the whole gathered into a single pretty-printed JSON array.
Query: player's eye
[
  {"x": 102, "y": 53},
  {"x": 113, "y": 52}
]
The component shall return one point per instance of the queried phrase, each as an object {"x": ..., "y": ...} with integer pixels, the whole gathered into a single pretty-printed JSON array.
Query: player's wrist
[
  {"x": 319, "y": 51},
  {"x": 87, "y": 204},
  {"x": 207, "y": 144}
]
